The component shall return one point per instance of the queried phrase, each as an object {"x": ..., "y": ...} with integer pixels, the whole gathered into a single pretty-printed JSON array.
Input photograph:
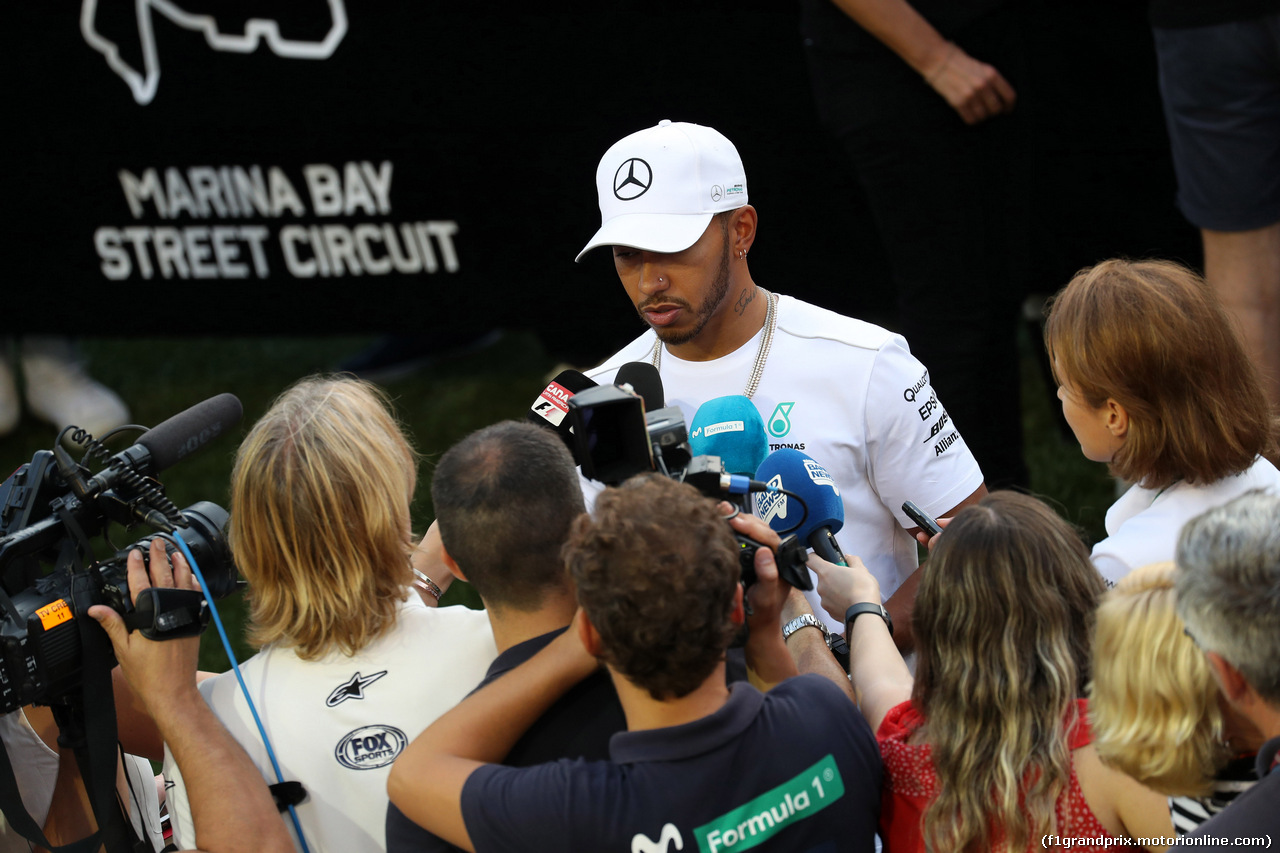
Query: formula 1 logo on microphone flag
[{"x": 552, "y": 404}]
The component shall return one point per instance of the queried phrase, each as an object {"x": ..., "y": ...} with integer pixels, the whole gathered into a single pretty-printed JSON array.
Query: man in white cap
[{"x": 673, "y": 201}]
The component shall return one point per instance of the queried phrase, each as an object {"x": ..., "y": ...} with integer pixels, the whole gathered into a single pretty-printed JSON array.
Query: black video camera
[
  {"x": 51, "y": 508},
  {"x": 616, "y": 439}
]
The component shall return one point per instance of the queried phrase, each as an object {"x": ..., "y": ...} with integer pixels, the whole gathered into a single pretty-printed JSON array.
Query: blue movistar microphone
[
  {"x": 823, "y": 512},
  {"x": 731, "y": 428}
]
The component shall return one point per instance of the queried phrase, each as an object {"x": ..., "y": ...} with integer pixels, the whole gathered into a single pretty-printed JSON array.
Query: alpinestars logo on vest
[{"x": 353, "y": 688}]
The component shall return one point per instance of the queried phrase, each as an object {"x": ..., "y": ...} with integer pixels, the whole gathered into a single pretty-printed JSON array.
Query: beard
[{"x": 706, "y": 310}]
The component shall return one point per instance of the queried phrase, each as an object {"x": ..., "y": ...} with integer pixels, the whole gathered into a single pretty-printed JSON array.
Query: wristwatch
[
  {"x": 807, "y": 620},
  {"x": 856, "y": 610}
]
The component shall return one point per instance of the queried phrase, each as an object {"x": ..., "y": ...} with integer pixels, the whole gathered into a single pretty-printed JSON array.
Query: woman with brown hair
[
  {"x": 1154, "y": 381},
  {"x": 988, "y": 747}
]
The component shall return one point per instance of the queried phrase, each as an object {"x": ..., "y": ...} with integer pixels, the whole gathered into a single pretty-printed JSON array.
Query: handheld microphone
[
  {"x": 730, "y": 427},
  {"x": 170, "y": 441},
  {"x": 798, "y": 473},
  {"x": 644, "y": 380},
  {"x": 552, "y": 405}
]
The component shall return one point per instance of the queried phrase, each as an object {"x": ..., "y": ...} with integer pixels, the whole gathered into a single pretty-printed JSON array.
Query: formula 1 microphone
[
  {"x": 644, "y": 380},
  {"x": 796, "y": 472},
  {"x": 552, "y": 405},
  {"x": 730, "y": 427}
]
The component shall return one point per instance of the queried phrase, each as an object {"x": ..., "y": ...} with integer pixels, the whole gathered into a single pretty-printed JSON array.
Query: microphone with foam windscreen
[
  {"x": 644, "y": 380},
  {"x": 552, "y": 406},
  {"x": 823, "y": 513},
  {"x": 730, "y": 427},
  {"x": 171, "y": 440}
]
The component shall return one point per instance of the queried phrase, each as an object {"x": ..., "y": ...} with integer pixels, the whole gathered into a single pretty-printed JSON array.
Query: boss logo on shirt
[{"x": 370, "y": 747}]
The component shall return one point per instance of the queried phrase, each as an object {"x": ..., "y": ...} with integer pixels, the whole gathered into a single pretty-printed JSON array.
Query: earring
[{"x": 742, "y": 255}]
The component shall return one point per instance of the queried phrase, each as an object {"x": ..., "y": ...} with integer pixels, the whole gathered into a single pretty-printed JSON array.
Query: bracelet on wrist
[
  {"x": 807, "y": 620},
  {"x": 942, "y": 66},
  {"x": 426, "y": 584}
]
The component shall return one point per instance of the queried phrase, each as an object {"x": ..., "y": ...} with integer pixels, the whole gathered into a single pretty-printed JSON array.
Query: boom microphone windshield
[
  {"x": 173, "y": 439},
  {"x": 190, "y": 430}
]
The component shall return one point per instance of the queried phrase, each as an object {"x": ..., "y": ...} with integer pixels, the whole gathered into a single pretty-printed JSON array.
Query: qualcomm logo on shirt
[
  {"x": 642, "y": 843},
  {"x": 370, "y": 747}
]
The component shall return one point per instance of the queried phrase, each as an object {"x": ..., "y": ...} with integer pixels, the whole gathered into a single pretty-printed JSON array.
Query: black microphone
[
  {"x": 552, "y": 405},
  {"x": 171, "y": 440},
  {"x": 644, "y": 380}
]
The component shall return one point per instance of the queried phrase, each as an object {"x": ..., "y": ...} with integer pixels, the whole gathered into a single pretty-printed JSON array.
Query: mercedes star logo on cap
[
  {"x": 717, "y": 192},
  {"x": 635, "y": 182}
]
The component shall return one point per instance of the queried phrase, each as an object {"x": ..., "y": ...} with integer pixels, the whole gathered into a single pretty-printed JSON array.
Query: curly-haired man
[{"x": 657, "y": 578}]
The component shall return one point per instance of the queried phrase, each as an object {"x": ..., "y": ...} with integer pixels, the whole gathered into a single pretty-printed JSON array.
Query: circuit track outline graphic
[{"x": 144, "y": 84}]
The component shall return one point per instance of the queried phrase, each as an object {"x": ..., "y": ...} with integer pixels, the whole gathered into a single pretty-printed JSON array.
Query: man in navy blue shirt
[
  {"x": 504, "y": 498},
  {"x": 657, "y": 578}
]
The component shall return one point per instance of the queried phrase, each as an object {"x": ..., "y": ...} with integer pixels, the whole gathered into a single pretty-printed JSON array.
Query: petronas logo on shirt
[{"x": 780, "y": 420}]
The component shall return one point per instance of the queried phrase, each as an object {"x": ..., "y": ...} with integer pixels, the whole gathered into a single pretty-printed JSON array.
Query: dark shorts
[{"x": 1221, "y": 89}]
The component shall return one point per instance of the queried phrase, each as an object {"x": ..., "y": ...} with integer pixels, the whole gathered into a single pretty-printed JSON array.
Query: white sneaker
[
  {"x": 10, "y": 408},
  {"x": 62, "y": 393}
]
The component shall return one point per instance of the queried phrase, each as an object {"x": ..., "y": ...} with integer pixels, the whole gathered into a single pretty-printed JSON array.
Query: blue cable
[{"x": 235, "y": 667}]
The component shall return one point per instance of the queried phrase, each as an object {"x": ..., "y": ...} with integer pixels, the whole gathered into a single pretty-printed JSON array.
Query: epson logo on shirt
[
  {"x": 370, "y": 747},
  {"x": 727, "y": 426}
]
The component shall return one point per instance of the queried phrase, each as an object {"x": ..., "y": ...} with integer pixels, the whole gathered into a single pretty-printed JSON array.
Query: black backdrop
[{"x": 479, "y": 129}]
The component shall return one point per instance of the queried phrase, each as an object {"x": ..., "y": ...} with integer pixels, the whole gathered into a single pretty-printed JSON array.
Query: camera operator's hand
[
  {"x": 841, "y": 586},
  {"x": 767, "y": 656},
  {"x": 158, "y": 671},
  {"x": 766, "y": 596},
  {"x": 229, "y": 799}
]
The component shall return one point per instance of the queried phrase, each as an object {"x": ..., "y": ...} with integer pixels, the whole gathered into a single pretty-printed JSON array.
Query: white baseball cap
[{"x": 660, "y": 187}]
